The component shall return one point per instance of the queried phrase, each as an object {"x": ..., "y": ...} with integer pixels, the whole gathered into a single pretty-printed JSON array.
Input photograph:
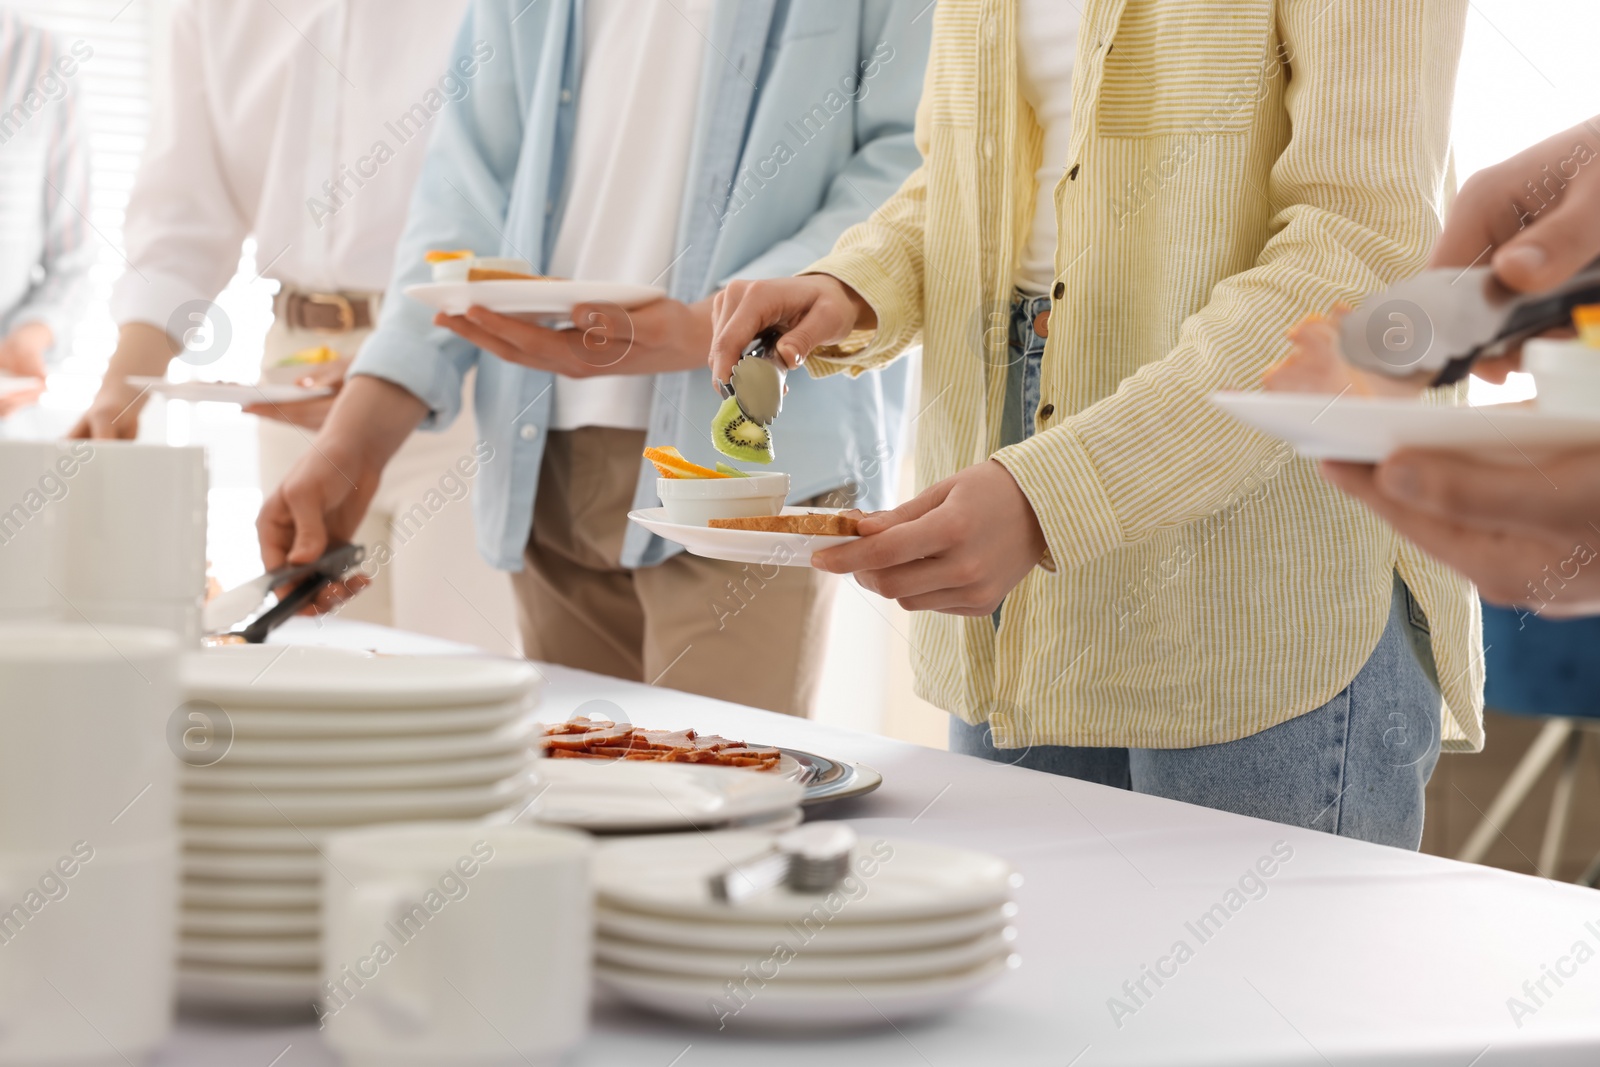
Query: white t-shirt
[
  {"x": 1047, "y": 38},
  {"x": 630, "y": 158}
]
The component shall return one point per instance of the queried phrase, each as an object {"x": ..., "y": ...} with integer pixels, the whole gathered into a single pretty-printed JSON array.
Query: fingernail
[
  {"x": 1524, "y": 259},
  {"x": 1400, "y": 480}
]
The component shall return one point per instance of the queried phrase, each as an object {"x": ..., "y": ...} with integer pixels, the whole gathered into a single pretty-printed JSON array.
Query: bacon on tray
[{"x": 581, "y": 738}]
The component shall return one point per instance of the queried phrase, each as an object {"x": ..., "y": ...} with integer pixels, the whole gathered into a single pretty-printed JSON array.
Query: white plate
[
  {"x": 738, "y": 936},
  {"x": 1369, "y": 429},
  {"x": 253, "y": 838},
  {"x": 416, "y": 726},
  {"x": 288, "y": 676},
  {"x": 742, "y": 546},
  {"x": 248, "y": 896},
  {"x": 797, "y": 963},
  {"x": 246, "y": 987},
  {"x": 225, "y": 775},
  {"x": 533, "y": 300},
  {"x": 667, "y": 875},
  {"x": 353, "y": 806},
  {"x": 640, "y": 795},
  {"x": 254, "y": 751},
  {"x": 794, "y": 1005},
  {"x": 251, "y": 951},
  {"x": 205, "y": 922},
  {"x": 253, "y": 866},
  {"x": 240, "y": 393}
]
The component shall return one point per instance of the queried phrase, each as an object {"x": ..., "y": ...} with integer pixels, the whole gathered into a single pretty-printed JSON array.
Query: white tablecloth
[{"x": 1349, "y": 953}]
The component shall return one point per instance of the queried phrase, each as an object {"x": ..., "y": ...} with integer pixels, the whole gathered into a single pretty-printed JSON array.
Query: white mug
[
  {"x": 84, "y": 711},
  {"x": 456, "y": 944},
  {"x": 88, "y": 935}
]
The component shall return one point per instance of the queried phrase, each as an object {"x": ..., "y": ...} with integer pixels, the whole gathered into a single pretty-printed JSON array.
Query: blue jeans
[{"x": 1357, "y": 766}]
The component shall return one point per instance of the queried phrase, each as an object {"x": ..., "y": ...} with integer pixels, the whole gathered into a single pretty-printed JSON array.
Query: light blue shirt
[{"x": 804, "y": 127}]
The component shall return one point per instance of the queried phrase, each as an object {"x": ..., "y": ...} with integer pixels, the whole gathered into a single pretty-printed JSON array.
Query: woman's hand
[
  {"x": 959, "y": 548},
  {"x": 660, "y": 337},
  {"x": 813, "y": 309}
]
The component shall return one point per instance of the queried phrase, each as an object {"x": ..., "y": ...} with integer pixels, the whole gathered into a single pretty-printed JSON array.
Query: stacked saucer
[
  {"x": 913, "y": 930},
  {"x": 286, "y": 745}
]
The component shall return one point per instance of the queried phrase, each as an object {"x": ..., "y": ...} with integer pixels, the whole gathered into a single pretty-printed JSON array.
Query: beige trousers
[
  {"x": 739, "y": 632},
  {"x": 435, "y": 582}
]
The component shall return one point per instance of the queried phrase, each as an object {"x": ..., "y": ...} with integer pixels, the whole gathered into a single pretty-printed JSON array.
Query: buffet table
[{"x": 1345, "y": 953}]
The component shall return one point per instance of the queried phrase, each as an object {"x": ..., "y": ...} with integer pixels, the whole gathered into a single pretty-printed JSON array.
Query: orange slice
[
  {"x": 671, "y": 464},
  {"x": 446, "y": 256}
]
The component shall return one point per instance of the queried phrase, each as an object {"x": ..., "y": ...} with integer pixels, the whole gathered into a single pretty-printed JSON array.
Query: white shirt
[
  {"x": 637, "y": 100},
  {"x": 1047, "y": 37},
  {"x": 266, "y": 103}
]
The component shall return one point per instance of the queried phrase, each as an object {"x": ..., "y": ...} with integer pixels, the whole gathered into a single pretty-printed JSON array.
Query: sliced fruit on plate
[
  {"x": 669, "y": 463},
  {"x": 737, "y": 436}
]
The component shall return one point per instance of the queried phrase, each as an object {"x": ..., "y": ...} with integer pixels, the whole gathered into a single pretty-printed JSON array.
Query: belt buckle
[{"x": 347, "y": 311}]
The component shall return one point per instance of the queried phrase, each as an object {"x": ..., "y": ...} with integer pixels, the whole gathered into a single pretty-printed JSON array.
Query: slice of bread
[{"x": 817, "y": 525}]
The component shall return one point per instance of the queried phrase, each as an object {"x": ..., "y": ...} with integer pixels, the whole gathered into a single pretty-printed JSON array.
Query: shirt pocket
[{"x": 1195, "y": 67}]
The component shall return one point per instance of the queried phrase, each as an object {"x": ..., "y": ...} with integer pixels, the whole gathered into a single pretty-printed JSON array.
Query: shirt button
[
  {"x": 528, "y": 432},
  {"x": 1072, "y": 175},
  {"x": 566, "y": 96},
  {"x": 1059, "y": 291},
  {"x": 991, "y": 27},
  {"x": 988, "y": 148},
  {"x": 549, "y": 207},
  {"x": 1046, "y": 411}
]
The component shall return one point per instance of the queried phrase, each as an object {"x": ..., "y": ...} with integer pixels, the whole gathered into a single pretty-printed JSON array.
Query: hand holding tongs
[
  {"x": 246, "y": 600},
  {"x": 1443, "y": 321}
]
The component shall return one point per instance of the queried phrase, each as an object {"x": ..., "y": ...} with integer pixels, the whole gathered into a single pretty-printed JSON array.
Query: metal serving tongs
[
  {"x": 244, "y": 601},
  {"x": 757, "y": 379},
  {"x": 1443, "y": 321}
]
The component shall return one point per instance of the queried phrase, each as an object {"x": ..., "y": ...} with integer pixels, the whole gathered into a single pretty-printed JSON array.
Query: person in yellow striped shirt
[{"x": 1117, "y": 214}]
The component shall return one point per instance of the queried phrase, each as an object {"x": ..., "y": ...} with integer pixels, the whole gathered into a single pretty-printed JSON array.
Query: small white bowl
[
  {"x": 1566, "y": 374},
  {"x": 695, "y": 501},
  {"x": 455, "y": 270}
]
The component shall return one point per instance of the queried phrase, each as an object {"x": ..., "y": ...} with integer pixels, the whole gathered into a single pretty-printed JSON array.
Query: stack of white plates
[
  {"x": 286, "y": 745},
  {"x": 915, "y": 929}
]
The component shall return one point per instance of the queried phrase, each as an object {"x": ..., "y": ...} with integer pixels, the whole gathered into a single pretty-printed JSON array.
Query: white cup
[
  {"x": 451, "y": 944},
  {"x": 84, "y": 713},
  {"x": 1566, "y": 374},
  {"x": 136, "y": 524},
  {"x": 35, "y": 477},
  {"x": 88, "y": 935}
]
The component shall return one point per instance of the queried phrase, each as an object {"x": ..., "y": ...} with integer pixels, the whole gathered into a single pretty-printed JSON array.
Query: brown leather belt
[{"x": 326, "y": 312}]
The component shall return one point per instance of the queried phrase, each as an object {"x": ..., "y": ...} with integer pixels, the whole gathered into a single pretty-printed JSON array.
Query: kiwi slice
[
  {"x": 739, "y": 437},
  {"x": 730, "y": 470}
]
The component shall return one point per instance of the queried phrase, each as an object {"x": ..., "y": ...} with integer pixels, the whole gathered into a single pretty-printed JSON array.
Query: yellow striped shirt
[{"x": 1234, "y": 165}]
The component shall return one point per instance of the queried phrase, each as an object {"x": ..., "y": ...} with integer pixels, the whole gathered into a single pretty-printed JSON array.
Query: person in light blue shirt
[{"x": 675, "y": 144}]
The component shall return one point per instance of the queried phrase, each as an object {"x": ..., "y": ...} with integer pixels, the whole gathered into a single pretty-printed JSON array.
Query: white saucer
[
  {"x": 417, "y": 726},
  {"x": 246, "y": 987},
  {"x": 241, "y": 393},
  {"x": 350, "y": 807},
  {"x": 667, "y": 875},
  {"x": 203, "y": 922},
  {"x": 633, "y": 795},
  {"x": 251, "y": 951},
  {"x": 299, "y": 676},
  {"x": 804, "y": 965},
  {"x": 739, "y": 936},
  {"x": 253, "y": 866},
  {"x": 226, "y": 775},
  {"x": 742, "y": 546},
  {"x": 531, "y": 300},
  {"x": 782, "y": 1005},
  {"x": 516, "y": 736},
  {"x": 248, "y": 896},
  {"x": 1369, "y": 429}
]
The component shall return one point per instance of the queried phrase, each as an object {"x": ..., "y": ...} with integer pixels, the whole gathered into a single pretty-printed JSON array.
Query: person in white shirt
[
  {"x": 304, "y": 123},
  {"x": 45, "y": 254}
]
